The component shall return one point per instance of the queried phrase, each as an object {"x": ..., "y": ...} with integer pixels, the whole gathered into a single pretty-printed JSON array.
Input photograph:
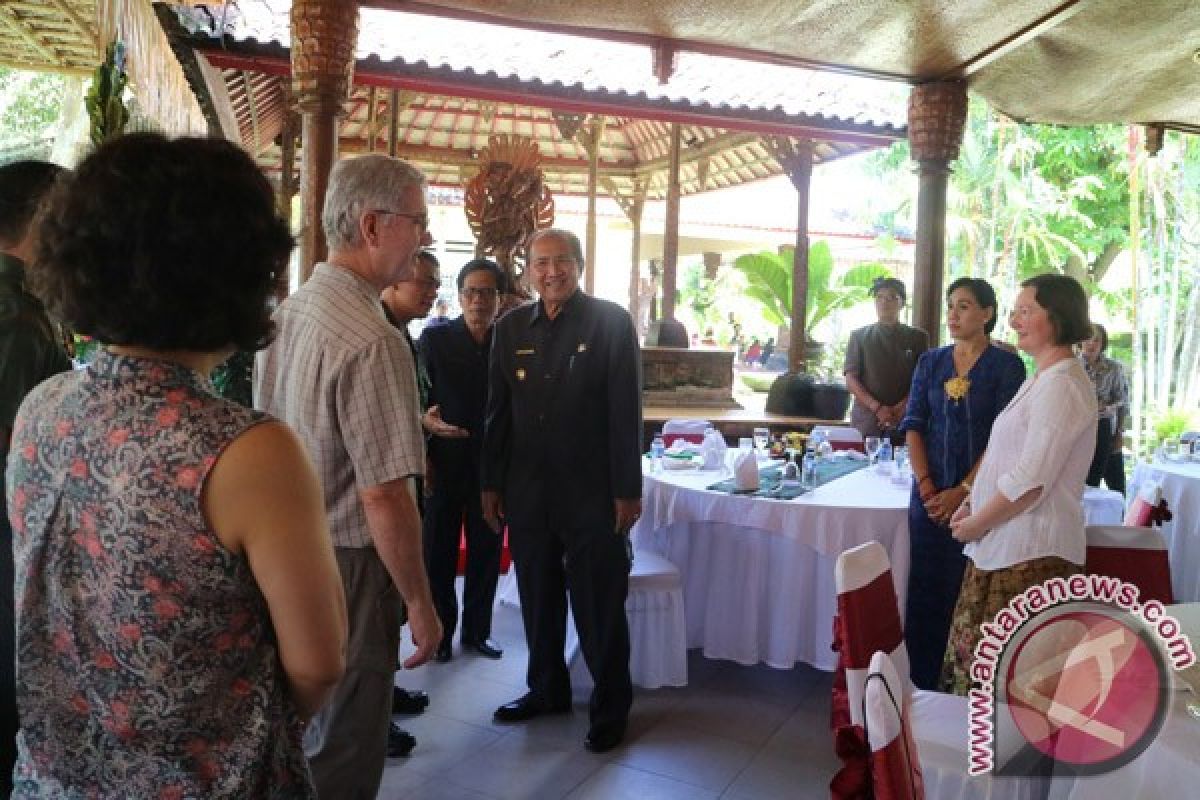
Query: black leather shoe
[
  {"x": 526, "y": 708},
  {"x": 408, "y": 701},
  {"x": 400, "y": 742},
  {"x": 444, "y": 653},
  {"x": 604, "y": 737},
  {"x": 484, "y": 647}
]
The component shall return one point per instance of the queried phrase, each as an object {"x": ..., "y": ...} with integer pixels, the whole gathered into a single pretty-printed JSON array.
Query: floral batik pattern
[{"x": 146, "y": 661}]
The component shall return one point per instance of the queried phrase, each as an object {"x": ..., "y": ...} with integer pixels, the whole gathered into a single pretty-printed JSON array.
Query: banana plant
[
  {"x": 769, "y": 281},
  {"x": 106, "y": 109}
]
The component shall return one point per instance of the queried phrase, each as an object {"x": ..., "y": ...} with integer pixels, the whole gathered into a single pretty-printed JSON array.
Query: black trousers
[
  {"x": 9, "y": 721},
  {"x": 454, "y": 507},
  {"x": 555, "y": 555},
  {"x": 1107, "y": 465}
]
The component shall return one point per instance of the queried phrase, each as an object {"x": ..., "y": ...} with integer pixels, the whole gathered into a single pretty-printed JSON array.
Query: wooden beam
[
  {"x": 1052, "y": 18},
  {"x": 636, "y": 204},
  {"x": 81, "y": 72},
  {"x": 463, "y": 158},
  {"x": 18, "y": 26},
  {"x": 79, "y": 25},
  {"x": 708, "y": 149},
  {"x": 252, "y": 105},
  {"x": 372, "y": 131},
  {"x": 393, "y": 121},
  {"x": 671, "y": 233},
  {"x": 593, "y": 133}
]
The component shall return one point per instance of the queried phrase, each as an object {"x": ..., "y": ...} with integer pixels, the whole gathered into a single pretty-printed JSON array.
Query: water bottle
[
  {"x": 657, "y": 448},
  {"x": 808, "y": 471},
  {"x": 885, "y": 450}
]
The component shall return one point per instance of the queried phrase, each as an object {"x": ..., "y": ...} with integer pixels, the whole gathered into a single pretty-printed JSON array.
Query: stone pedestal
[{"x": 699, "y": 378}]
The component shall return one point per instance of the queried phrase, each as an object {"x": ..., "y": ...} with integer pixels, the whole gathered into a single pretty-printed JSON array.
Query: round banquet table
[
  {"x": 1181, "y": 489},
  {"x": 757, "y": 573}
]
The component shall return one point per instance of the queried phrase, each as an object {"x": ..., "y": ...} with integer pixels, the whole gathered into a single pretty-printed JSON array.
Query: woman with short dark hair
[
  {"x": 180, "y": 613},
  {"x": 957, "y": 391},
  {"x": 1023, "y": 520}
]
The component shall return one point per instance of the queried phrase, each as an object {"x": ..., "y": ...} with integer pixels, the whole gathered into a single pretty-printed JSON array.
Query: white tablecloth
[
  {"x": 758, "y": 573},
  {"x": 1181, "y": 489}
]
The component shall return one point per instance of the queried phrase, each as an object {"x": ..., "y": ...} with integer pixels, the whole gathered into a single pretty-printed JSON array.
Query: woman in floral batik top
[{"x": 179, "y": 612}]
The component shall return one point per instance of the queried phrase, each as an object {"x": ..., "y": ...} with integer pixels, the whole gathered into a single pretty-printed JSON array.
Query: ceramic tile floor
[{"x": 736, "y": 733}]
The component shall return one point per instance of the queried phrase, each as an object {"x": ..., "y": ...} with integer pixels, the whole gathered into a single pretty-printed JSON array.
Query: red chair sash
[{"x": 1149, "y": 570}]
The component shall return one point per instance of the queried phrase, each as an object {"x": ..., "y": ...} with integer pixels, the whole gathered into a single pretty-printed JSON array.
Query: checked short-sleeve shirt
[{"x": 342, "y": 377}]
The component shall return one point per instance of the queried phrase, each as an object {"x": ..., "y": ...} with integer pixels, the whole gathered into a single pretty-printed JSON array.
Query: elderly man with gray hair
[{"x": 343, "y": 378}]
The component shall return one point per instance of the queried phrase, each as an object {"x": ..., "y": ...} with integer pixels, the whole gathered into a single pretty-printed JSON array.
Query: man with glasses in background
[
  {"x": 342, "y": 377},
  {"x": 455, "y": 357},
  {"x": 562, "y": 466}
]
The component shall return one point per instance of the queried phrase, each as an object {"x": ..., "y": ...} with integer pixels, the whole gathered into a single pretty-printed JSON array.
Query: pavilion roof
[
  {"x": 455, "y": 87},
  {"x": 1072, "y": 62}
]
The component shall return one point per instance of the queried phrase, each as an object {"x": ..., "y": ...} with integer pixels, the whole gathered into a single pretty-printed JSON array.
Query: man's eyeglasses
[
  {"x": 428, "y": 284},
  {"x": 471, "y": 293},
  {"x": 558, "y": 261},
  {"x": 421, "y": 220}
]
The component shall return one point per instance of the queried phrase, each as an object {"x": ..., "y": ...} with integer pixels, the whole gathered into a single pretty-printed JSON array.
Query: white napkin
[
  {"x": 713, "y": 450},
  {"x": 745, "y": 471}
]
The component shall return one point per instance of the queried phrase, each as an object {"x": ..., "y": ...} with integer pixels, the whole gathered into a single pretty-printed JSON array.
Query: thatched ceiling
[
  {"x": 1074, "y": 62},
  {"x": 49, "y": 35}
]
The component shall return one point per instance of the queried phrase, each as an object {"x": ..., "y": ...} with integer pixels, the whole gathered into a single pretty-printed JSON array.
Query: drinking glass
[
  {"x": 762, "y": 439},
  {"x": 745, "y": 443},
  {"x": 871, "y": 445}
]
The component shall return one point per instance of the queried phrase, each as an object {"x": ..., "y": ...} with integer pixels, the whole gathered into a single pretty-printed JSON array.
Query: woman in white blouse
[{"x": 1023, "y": 521}]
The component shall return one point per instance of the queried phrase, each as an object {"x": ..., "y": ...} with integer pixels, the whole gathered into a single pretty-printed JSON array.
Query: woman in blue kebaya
[{"x": 956, "y": 393}]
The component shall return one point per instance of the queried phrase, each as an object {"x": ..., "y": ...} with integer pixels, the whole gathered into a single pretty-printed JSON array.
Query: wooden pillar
[
  {"x": 796, "y": 159},
  {"x": 592, "y": 136},
  {"x": 324, "y": 33},
  {"x": 937, "y": 114},
  {"x": 671, "y": 233}
]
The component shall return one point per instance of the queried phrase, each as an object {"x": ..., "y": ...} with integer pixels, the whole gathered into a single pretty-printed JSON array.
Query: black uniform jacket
[
  {"x": 564, "y": 413},
  {"x": 457, "y": 369}
]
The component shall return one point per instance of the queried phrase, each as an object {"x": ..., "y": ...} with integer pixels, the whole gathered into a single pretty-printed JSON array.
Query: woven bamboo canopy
[
  {"x": 1072, "y": 62},
  {"x": 49, "y": 36}
]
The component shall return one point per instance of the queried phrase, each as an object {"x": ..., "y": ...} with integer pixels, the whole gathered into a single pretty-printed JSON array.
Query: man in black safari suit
[{"x": 562, "y": 465}]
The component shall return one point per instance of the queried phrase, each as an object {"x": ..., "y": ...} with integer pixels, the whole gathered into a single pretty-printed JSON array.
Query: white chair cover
[
  {"x": 657, "y": 627},
  {"x": 895, "y": 766}
]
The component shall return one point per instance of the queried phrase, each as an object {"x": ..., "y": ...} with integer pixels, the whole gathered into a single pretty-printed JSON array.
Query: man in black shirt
[
  {"x": 562, "y": 465},
  {"x": 30, "y": 352},
  {"x": 455, "y": 357}
]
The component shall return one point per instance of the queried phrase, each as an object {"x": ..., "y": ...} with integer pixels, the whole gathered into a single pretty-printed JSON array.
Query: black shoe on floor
[
  {"x": 408, "y": 701},
  {"x": 526, "y": 708},
  {"x": 604, "y": 736},
  {"x": 400, "y": 742},
  {"x": 444, "y": 653},
  {"x": 484, "y": 647}
]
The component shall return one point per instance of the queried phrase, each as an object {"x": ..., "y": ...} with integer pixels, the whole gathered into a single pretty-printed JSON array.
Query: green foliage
[
  {"x": 1171, "y": 423},
  {"x": 104, "y": 101},
  {"x": 30, "y": 106},
  {"x": 769, "y": 281}
]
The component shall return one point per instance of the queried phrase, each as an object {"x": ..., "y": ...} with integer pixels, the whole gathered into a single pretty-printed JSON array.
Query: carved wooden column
[
  {"x": 324, "y": 33},
  {"x": 795, "y": 156},
  {"x": 937, "y": 113}
]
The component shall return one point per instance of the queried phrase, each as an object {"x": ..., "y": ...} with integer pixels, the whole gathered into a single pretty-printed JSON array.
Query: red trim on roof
[{"x": 369, "y": 72}]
